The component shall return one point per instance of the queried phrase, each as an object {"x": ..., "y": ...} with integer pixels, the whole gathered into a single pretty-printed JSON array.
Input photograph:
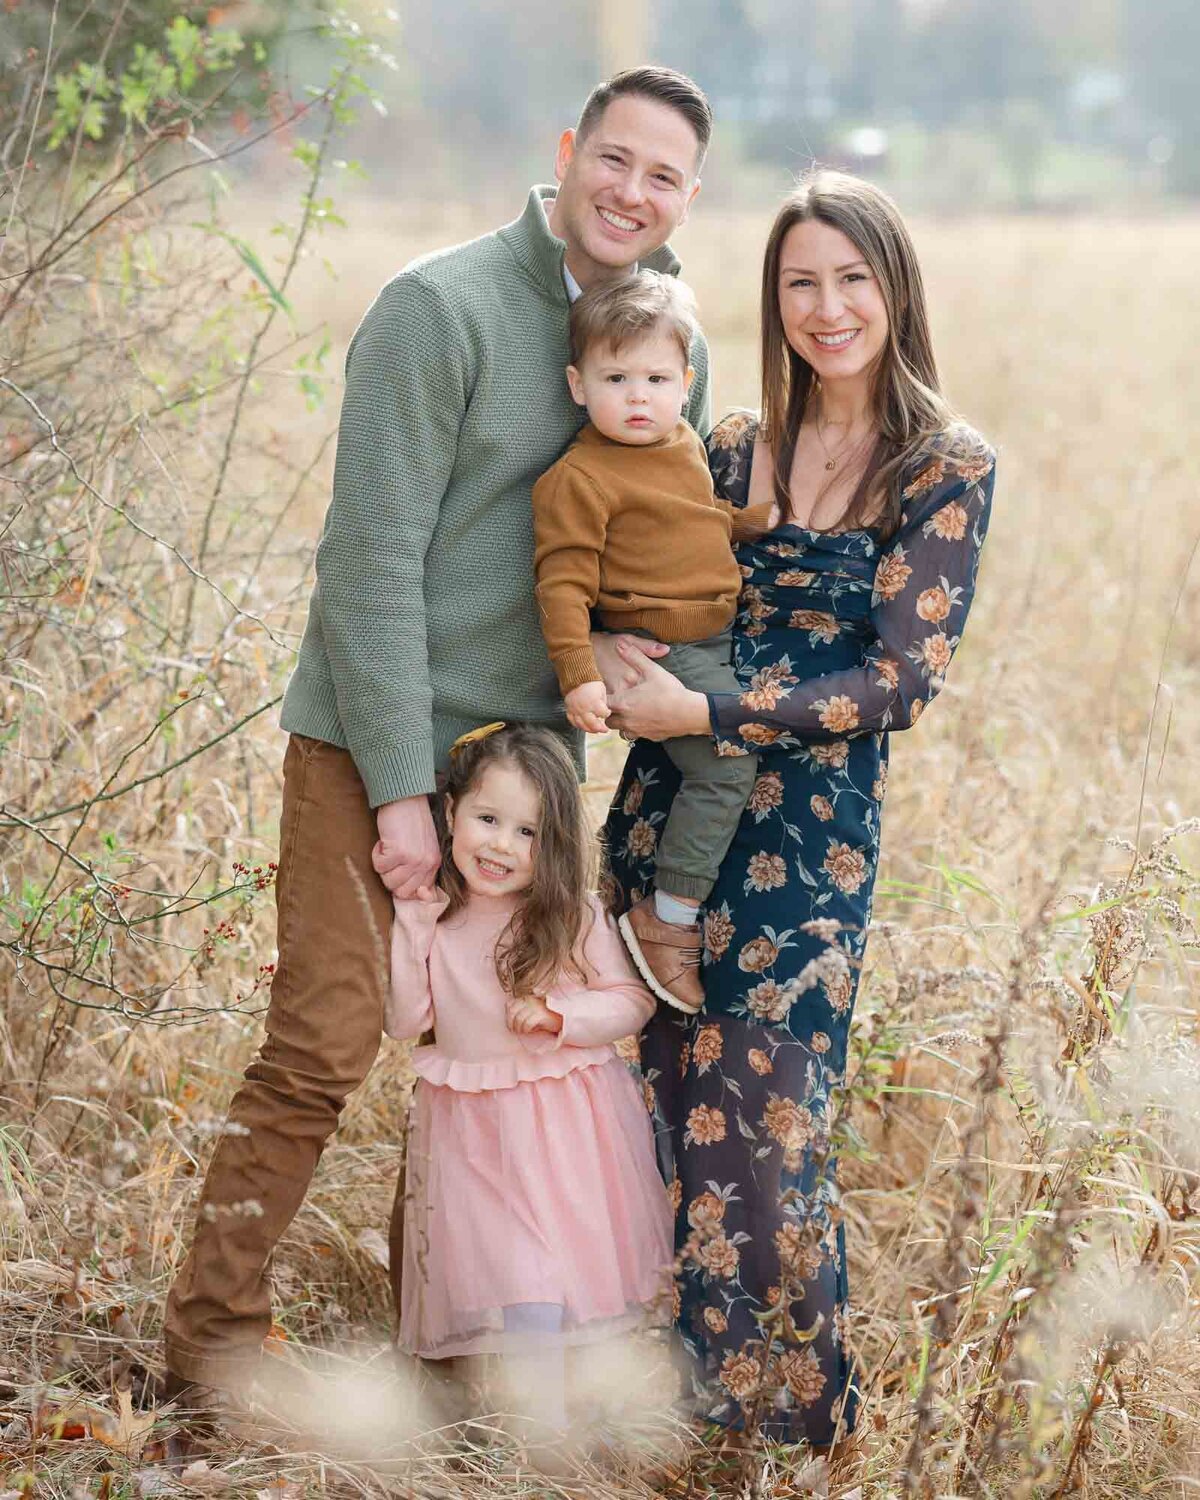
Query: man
[{"x": 423, "y": 625}]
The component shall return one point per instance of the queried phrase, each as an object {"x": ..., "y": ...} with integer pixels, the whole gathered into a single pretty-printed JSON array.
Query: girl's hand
[
  {"x": 657, "y": 706},
  {"x": 531, "y": 1013}
]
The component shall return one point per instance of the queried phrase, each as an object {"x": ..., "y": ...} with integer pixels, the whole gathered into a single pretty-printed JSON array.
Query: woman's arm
[{"x": 924, "y": 586}]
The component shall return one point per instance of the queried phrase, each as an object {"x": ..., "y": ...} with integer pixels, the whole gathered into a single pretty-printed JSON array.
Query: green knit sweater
[{"x": 423, "y": 622}]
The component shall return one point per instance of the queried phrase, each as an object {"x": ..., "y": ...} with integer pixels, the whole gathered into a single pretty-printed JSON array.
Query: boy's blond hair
[{"x": 617, "y": 313}]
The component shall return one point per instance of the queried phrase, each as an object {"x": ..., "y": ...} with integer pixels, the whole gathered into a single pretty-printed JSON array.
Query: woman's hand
[
  {"x": 606, "y": 647},
  {"x": 531, "y": 1013},
  {"x": 654, "y": 705}
]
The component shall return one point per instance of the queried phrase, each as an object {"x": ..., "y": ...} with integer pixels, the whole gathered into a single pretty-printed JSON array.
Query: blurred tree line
[
  {"x": 1041, "y": 95},
  {"x": 967, "y": 100}
]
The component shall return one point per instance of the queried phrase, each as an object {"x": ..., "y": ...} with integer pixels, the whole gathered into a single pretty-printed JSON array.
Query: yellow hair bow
[{"x": 472, "y": 735}]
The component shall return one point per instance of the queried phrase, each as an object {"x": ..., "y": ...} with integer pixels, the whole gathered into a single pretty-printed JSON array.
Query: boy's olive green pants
[
  {"x": 323, "y": 1026},
  {"x": 712, "y": 797}
]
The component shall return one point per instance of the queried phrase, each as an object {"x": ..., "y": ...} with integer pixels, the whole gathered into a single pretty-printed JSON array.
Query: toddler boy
[{"x": 626, "y": 524}]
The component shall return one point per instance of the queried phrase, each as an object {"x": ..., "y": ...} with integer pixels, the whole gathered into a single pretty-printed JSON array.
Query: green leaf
[
  {"x": 964, "y": 880},
  {"x": 11, "y": 1150},
  {"x": 258, "y": 271},
  {"x": 1099, "y": 906},
  {"x": 1023, "y": 1232},
  {"x": 79, "y": 103},
  {"x": 92, "y": 119},
  {"x": 221, "y": 47},
  {"x": 184, "y": 41}
]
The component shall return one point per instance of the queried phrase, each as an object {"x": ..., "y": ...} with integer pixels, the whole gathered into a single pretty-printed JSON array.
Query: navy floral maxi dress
[{"x": 837, "y": 640}]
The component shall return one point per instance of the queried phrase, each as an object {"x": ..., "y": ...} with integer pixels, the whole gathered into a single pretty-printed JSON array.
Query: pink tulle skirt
[{"x": 546, "y": 1192}]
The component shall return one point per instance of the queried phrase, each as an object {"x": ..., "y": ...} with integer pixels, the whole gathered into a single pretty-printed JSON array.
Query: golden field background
[{"x": 1049, "y": 1210}]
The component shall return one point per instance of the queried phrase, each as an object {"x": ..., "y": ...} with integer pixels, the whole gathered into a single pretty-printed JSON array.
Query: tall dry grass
[{"x": 1020, "y": 1164}]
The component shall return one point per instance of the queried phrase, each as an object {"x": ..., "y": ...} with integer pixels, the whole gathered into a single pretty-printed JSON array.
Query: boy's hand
[
  {"x": 587, "y": 707},
  {"x": 531, "y": 1013}
]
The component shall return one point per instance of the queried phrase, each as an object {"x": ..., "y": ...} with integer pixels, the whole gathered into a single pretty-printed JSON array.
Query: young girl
[{"x": 536, "y": 1217}]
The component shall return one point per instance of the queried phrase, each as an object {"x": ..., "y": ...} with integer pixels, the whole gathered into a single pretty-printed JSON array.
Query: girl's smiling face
[
  {"x": 493, "y": 826},
  {"x": 832, "y": 306}
]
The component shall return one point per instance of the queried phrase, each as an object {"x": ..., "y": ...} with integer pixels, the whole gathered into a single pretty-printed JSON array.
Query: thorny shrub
[
  {"x": 151, "y": 583},
  {"x": 160, "y": 419}
]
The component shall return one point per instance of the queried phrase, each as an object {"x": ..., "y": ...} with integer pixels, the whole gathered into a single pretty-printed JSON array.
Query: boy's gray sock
[{"x": 669, "y": 908}]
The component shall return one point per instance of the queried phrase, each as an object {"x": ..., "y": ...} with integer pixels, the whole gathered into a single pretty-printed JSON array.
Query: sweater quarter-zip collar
[{"x": 540, "y": 253}]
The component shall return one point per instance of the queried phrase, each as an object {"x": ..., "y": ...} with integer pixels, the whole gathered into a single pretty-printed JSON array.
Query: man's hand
[
  {"x": 531, "y": 1013},
  {"x": 407, "y": 857},
  {"x": 587, "y": 707}
]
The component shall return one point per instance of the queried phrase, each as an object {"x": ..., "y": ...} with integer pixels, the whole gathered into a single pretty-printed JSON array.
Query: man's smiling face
[{"x": 625, "y": 187}]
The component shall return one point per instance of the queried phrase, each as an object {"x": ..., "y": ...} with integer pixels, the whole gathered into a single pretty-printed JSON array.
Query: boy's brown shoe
[{"x": 667, "y": 956}]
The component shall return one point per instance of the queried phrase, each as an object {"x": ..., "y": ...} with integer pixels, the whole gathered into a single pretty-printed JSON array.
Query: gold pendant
[{"x": 830, "y": 464}]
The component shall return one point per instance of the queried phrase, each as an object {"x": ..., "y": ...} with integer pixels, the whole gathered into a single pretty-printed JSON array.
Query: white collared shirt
[{"x": 574, "y": 290}]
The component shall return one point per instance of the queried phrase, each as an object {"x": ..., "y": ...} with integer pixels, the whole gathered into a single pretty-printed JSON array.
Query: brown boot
[
  {"x": 199, "y": 1411},
  {"x": 667, "y": 956}
]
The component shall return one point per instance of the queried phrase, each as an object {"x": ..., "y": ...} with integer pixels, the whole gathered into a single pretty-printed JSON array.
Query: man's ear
[
  {"x": 562, "y": 157},
  {"x": 688, "y": 205},
  {"x": 575, "y": 381}
]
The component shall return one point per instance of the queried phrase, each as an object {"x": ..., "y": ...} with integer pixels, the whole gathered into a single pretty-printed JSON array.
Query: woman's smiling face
[{"x": 832, "y": 306}]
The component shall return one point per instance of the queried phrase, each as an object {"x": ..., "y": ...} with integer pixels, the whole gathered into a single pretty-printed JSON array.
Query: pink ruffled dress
[{"x": 531, "y": 1170}]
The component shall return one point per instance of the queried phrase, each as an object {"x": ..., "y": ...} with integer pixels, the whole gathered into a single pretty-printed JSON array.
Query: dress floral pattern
[{"x": 838, "y": 640}]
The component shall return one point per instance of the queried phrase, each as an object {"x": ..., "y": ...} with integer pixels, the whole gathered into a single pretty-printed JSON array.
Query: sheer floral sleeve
[
  {"x": 729, "y": 447},
  {"x": 923, "y": 588}
]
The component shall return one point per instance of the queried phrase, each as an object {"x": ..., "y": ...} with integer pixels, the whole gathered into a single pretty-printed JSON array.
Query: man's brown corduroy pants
[{"x": 323, "y": 1026}]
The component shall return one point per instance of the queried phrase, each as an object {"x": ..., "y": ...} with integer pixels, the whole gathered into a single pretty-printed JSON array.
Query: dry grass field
[{"x": 1022, "y": 1206}]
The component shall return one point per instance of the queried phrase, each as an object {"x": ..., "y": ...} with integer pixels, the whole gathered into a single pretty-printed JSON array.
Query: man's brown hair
[
  {"x": 676, "y": 90},
  {"x": 616, "y": 313}
]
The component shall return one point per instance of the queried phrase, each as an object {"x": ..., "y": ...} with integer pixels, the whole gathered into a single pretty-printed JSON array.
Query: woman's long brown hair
[
  {"x": 544, "y": 938},
  {"x": 908, "y": 409}
]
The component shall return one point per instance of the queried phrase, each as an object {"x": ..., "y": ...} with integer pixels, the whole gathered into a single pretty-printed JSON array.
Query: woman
[{"x": 853, "y": 604}]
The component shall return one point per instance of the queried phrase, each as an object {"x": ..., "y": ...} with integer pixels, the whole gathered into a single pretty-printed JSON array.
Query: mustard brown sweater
[{"x": 636, "y": 533}]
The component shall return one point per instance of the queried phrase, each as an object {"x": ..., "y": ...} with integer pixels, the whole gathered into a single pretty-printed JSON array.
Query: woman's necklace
[{"x": 831, "y": 459}]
